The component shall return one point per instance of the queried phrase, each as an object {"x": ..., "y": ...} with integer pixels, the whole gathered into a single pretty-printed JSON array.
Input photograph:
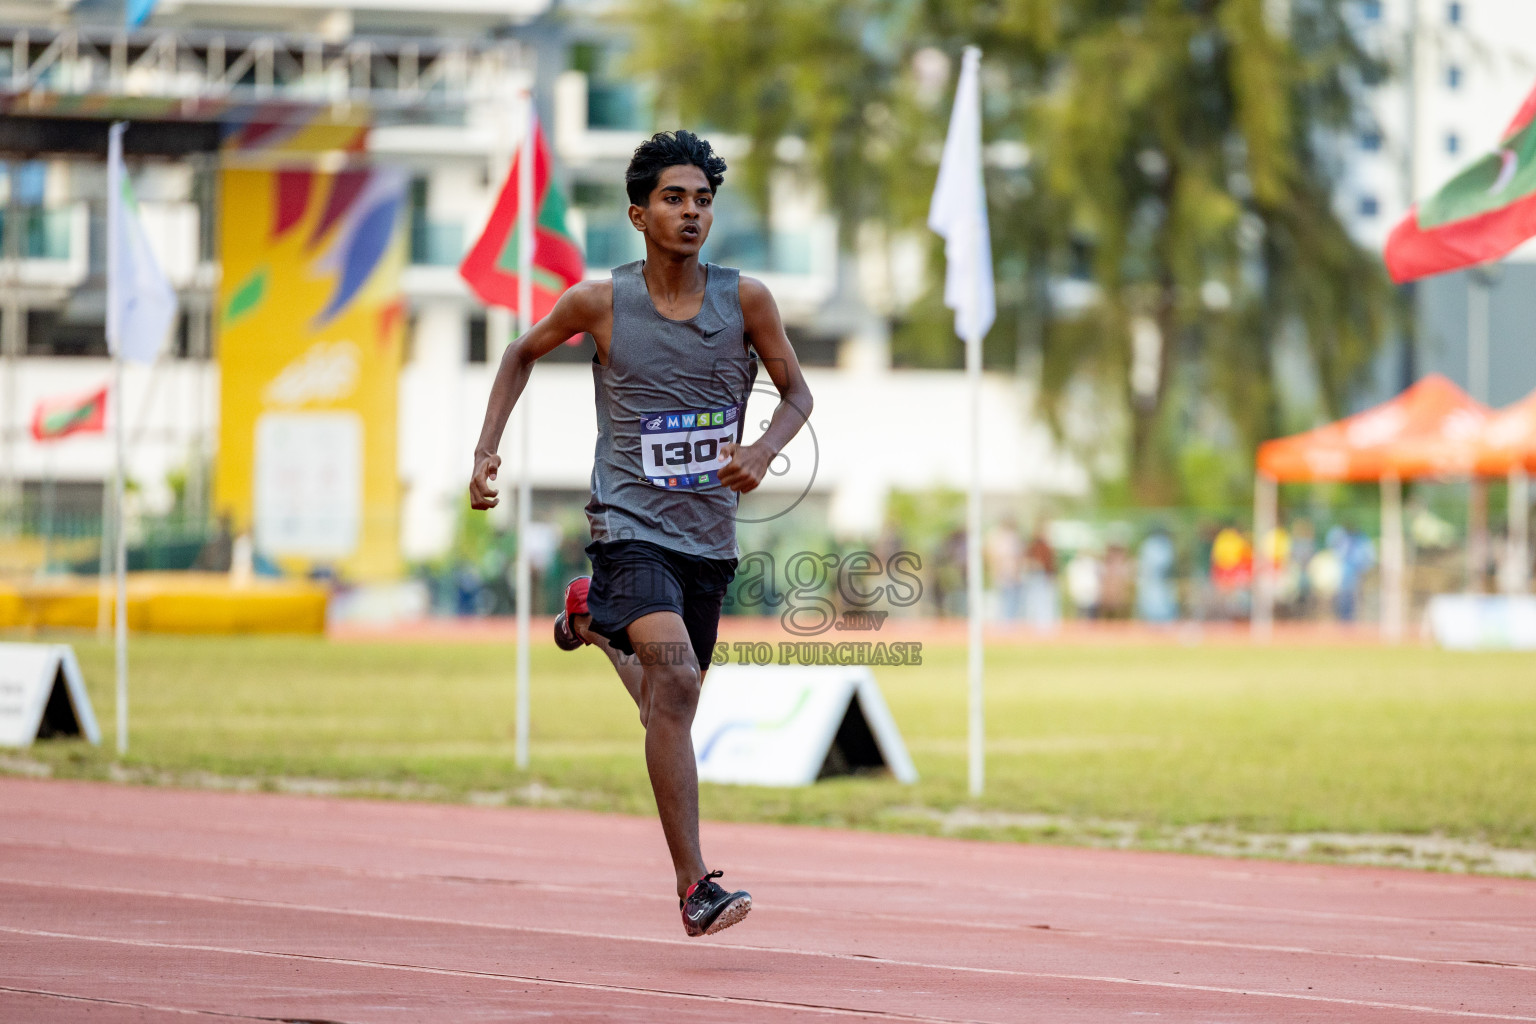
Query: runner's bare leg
[
  {"x": 628, "y": 666},
  {"x": 669, "y": 695}
]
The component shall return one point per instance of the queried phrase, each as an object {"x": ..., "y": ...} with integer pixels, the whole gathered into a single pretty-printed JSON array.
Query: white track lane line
[
  {"x": 739, "y": 1000},
  {"x": 446, "y": 972},
  {"x": 1218, "y": 868},
  {"x": 536, "y": 929},
  {"x": 781, "y": 951},
  {"x": 1245, "y": 910},
  {"x": 71, "y": 997}
]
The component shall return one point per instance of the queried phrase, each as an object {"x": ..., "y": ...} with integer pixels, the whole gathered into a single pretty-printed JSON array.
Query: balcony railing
[
  {"x": 612, "y": 243},
  {"x": 45, "y": 233},
  {"x": 48, "y": 68}
]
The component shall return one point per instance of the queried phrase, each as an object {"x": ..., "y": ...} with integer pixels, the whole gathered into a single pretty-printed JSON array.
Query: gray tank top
[{"x": 673, "y": 391}]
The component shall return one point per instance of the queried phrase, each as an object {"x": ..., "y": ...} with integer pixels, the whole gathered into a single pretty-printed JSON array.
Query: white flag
[
  {"x": 141, "y": 304},
  {"x": 959, "y": 211}
]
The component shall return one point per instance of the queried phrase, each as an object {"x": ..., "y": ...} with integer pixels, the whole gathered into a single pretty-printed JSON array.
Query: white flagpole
[
  {"x": 119, "y": 415},
  {"x": 525, "y": 215},
  {"x": 120, "y": 538},
  {"x": 959, "y": 214},
  {"x": 108, "y": 551},
  {"x": 973, "y": 603}
]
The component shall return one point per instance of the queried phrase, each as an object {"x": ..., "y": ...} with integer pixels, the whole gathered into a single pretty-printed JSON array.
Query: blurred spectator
[
  {"x": 1204, "y": 602},
  {"x": 1356, "y": 555},
  {"x": 1325, "y": 575},
  {"x": 1005, "y": 566},
  {"x": 1299, "y": 581},
  {"x": 1156, "y": 600},
  {"x": 1231, "y": 571},
  {"x": 1427, "y": 531},
  {"x": 218, "y": 553},
  {"x": 949, "y": 575},
  {"x": 242, "y": 560},
  {"x": 1117, "y": 583},
  {"x": 1085, "y": 583},
  {"x": 1274, "y": 552},
  {"x": 1042, "y": 600},
  {"x": 466, "y": 590}
]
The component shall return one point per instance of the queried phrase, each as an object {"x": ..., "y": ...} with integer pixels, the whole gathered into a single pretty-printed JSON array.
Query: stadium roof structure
[
  {"x": 202, "y": 90},
  {"x": 1432, "y": 429}
]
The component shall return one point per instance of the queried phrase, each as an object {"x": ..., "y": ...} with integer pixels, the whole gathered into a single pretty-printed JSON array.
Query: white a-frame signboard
[
  {"x": 789, "y": 725},
  {"x": 42, "y": 695}
]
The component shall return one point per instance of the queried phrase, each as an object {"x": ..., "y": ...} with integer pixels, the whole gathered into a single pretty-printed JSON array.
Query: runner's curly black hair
[{"x": 669, "y": 149}]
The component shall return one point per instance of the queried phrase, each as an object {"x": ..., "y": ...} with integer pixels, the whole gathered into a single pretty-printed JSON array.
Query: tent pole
[
  {"x": 1393, "y": 596},
  {"x": 1266, "y": 499},
  {"x": 1519, "y": 574},
  {"x": 1477, "y": 535}
]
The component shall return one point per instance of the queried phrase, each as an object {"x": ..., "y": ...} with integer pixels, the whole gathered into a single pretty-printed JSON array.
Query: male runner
[{"x": 677, "y": 351}]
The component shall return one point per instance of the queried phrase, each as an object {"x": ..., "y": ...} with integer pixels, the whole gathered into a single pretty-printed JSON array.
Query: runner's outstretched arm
[
  {"x": 765, "y": 332},
  {"x": 576, "y": 312}
]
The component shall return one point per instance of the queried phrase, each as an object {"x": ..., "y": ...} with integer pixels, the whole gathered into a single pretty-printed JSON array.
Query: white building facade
[
  {"x": 1461, "y": 69},
  {"x": 876, "y": 429}
]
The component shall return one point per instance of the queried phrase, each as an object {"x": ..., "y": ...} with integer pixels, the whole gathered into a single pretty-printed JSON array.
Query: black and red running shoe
[
  {"x": 708, "y": 908},
  {"x": 566, "y": 637}
]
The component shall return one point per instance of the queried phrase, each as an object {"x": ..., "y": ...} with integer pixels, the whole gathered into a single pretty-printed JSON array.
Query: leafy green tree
[
  {"x": 1175, "y": 153},
  {"x": 1190, "y": 142},
  {"x": 825, "y": 71}
]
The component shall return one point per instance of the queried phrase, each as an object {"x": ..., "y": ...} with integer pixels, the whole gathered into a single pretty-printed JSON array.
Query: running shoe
[
  {"x": 708, "y": 908},
  {"x": 566, "y": 638}
]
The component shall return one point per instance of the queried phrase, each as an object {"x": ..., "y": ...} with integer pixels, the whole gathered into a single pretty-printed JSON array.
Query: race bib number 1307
[{"x": 682, "y": 449}]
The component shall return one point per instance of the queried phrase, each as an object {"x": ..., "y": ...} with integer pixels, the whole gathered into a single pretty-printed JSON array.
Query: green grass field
[{"x": 1353, "y": 740}]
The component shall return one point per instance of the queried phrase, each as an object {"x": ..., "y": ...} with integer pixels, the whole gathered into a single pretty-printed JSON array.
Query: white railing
[{"x": 38, "y": 64}]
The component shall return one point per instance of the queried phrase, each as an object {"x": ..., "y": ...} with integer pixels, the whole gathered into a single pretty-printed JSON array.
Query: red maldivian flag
[
  {"x": 80, "y": 414},
  {"x": 491, "y": 266},
  {"x": 1482, "y": 214}
]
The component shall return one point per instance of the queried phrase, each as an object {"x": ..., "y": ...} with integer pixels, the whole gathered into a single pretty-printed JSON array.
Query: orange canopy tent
[
  {"x": 1432, "y": 429},
  {"x": 1504, "y": 443},
  {"x": 1508, "y": 440}
]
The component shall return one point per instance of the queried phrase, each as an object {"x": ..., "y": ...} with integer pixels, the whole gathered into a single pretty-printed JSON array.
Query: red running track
[{"x": 122, "y": 904}]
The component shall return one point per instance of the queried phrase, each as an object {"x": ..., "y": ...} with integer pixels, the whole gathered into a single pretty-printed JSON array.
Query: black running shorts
[{"x": 631, "y": 578}]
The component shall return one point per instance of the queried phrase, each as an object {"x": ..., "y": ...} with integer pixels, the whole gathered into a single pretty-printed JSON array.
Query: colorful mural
[{"x": 310, "y": 339}]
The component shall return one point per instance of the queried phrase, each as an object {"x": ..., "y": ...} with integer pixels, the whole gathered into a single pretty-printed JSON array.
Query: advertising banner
[
  {"x": 42, "y": 694},
  {"x": 310, "y": 335},
  {"x": 789, "y": 725}
]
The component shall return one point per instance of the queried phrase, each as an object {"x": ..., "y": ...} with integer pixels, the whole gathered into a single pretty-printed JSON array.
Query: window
[
  {"x": 433, "y": 243},
  {"x": 476, "y": 349},
  {"x": 189, "y": 336},
  {"x": 75, "y": 330},
  {"x": 1370, "y": 10},
  {"x": 1452, "y": 143},
  {"x": 45, "y": 231},
  {"x": 1369, "y": 207},
  {"x": 1453, "y": 13},
  {"x": 1453, "y": 77},
  {"x": 613, "y": 102},
  {"x": 1370, "y": 140}
]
